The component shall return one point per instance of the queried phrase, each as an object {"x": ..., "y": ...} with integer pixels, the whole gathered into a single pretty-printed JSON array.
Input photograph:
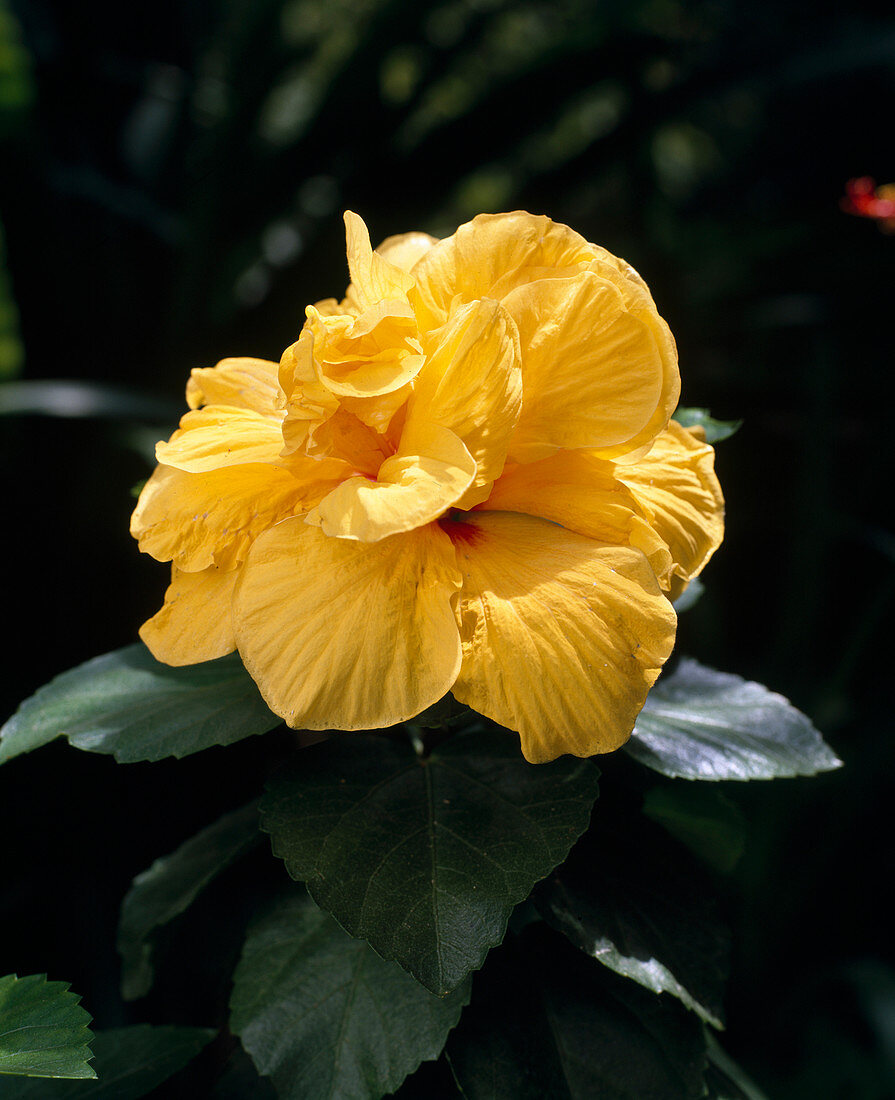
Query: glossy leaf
[
  {"x": 171, "y": 884},
  {"x": 635, "y": 900},
  {"x": 426, "y": 857},
  {"x": 324, "y": 1016},
  {"x": 130, "y": 1063},
  {"x": 699, "y": 723},
  {"x": 715, "y": 430},
  {"x": 128, "y": 704},
  {"x": 546, "y": 1024},
  {"x": 44, "y": 1031}
]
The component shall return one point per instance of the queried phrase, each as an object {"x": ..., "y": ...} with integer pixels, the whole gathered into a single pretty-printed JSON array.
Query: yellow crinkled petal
[
  {"x": 404, "y": 250},
  {"x": 472, "y": 384},
  {"x": 196, "y": 622},
  {"x": 378, "y": 412},
  {"x": 373, "y": 278},
  {"x": 365, "y": 356},
  {"x": 307, "y": 401},
  {"x": 677, "y": 488},
  {"x": 198, "y": 520},
  {"x": 488, "y": 257},
  {"x": 218, "y": 436},
  {"x": 246, "y": 383},
  {"x": 593, "y": 375},
  {"x": 429, "y": 475},
  {"x": 347, "y": 635},
  {"x": 582, "y": 493},
  {"x": 562, "y": 636}
]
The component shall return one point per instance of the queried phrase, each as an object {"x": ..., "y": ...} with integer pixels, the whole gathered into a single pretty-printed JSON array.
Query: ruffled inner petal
[
  {"x": 429, "y": 474},
  {"x": 472, "y": 384}
]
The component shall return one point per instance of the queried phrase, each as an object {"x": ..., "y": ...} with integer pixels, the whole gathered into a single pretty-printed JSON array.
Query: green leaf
[
  {"x": 128, "y": 704},
  {"x": 715, "y": 430},
  {"x": 725, "y": 1080},
  {"x": 699, "y": 723},
  {"x": 130, "y": 1062},
  {"x": 43, "y": 1029},
  {"x": 426, "y": 857},
  {"x": 702, "y": 818},
  {"x": 171, "y": 884},
  {"x": 631, "y": 898},
  {"x": 324, "y": 1015},
  {"x": 546, "y": 1024}
]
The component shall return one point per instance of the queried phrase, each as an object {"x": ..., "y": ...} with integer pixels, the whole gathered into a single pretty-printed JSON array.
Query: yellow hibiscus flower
[{"x": 460, "y": 478}]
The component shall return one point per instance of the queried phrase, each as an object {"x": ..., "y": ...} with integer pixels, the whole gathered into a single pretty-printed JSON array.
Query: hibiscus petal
[
  {"x": 375, "y": 353},
  {"x": 196, "y": 622},
  {"x": 246, "y": 383},
  {"x": 593, "y": 373},
  {"x": 373, "y": 278},
  {"x": 676, "y": 486},
  {"x": 489, "y": 256},
  {"x": 472, "y": 384},
  {"x": 404, "y": 250},
  {"x": 411, "y": 489},
  {"x": 307, "y": 401},
  {"x": 347, "y": 635},
  {"x": 198, "y": 520},
  {"x": 562, "y": 636},
  {"x": 582, "y": 493},
  {"x": 218, "y": 436}
]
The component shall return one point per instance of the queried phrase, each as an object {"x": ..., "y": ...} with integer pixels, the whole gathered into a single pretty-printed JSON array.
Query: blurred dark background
[{"x": 172, "y": 177}]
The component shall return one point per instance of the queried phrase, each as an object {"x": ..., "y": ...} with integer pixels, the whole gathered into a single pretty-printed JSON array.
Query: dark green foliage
[
  {"x": 44, "y": 1031},
  {"x": 130, "y": 1063},
  {"x": 547, "y": 1024},
  {"x": 128, "y": 704},
  {"x": 425, "y": 858},
  {"x": 324, "y": 1015},
  {"x": 170, "y": 885}
]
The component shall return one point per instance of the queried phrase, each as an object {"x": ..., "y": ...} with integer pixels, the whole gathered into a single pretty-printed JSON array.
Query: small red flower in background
[{"x": 864, "y": 198}]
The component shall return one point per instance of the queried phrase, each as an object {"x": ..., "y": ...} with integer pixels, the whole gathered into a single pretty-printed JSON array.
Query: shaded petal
[
  {"x": 196, "y": 622},
  {"x": 373, "y": 278},
  {"x": 562, "y": 636},
  {"x": 346, "y": 437},
  {"x": 347, "y": 635},
  {"x": 583, "y": 493},
  {"x": 245, "y": 383},
  {"x": 308, "y": 402},
  {"x": 488, "y": 257},
  {"x": 405, "y": 249},
  {"x": 677, "y": 488},
  {"x": 472, "y": 384},
  {"x": 198, "y": 520},
  {"x": 593, "y": 374},
  {"x": 220, "y": 435},
  {"x": 429, "y": 475}
]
